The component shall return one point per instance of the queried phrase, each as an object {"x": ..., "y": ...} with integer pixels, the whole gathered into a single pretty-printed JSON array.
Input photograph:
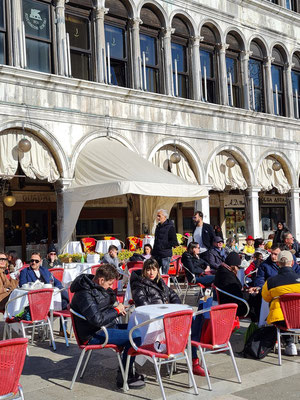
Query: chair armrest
[
  {"x": 205, "y": 310},
  {"x": 234, "y": 297},
  {"x": 246, "y": 276},
  {"x": 139, "y": 326}
]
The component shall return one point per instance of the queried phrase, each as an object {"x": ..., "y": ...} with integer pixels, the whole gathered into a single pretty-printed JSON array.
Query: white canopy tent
[{"x": 106, "y": 168}]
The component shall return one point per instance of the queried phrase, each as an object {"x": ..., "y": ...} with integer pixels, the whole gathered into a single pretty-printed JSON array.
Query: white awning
[
  {"x": 268, "y": 179},
  {"x": 106, "y": 168}
]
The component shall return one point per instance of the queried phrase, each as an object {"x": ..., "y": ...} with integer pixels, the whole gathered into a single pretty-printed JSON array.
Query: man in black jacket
[
  {"x": 96, "y": 301},
  {"x": 165, "y": 239},
  {"x": 203, "y": 233}
]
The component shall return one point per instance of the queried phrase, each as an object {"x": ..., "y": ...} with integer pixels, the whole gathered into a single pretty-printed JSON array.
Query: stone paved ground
[{"x": 47, "y": 375}]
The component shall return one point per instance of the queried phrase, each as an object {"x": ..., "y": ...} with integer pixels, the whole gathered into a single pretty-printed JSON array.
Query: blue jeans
[
  {"x": 120, "y": 337},
  {"x": 197, "y": 326},
  {"x": 165, "y": 265},
  {"x": 205, "y": 280}
]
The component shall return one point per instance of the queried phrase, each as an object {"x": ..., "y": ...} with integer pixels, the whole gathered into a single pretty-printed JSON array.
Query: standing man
[
  {"x": 203, "y": 233},
  {"x": 165, "y": 239}
]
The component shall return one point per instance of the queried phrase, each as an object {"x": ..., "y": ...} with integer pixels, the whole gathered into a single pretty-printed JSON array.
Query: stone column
[
  {"x": 63, "y": 51},
  {"x": 203, "y": 205},
  {"x": 18, "y": 40},
  {"x": 60, "y": 187},
  {"x": 101, "y": 72},
  {"x": 168, "y": 70},
  {"x": 245, "y": 55},
  {"x": 269, "y": 101},
  {"x": 136, "y": 52},
  {"x": 288, "y": 89},
  {"x": 196, "y": 68},
  {"x": 294, "y": 215},
  {"x": 222, "y": 47},
  {"x": 252, "y": 212}
]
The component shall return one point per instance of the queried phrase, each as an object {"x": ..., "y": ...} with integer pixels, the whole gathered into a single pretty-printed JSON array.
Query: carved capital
[
  {"x": 245, "y": 55},
  {"x": 167, "y": 32},
  {"x": 195, "y": 41},
  {"x": 135, "y": 23},
  {"x": 222, "y": 47},
  {"x": 100, "y": 12},
  {"x": 288, "y": 66},
  {"x": 268, "y": 61}
]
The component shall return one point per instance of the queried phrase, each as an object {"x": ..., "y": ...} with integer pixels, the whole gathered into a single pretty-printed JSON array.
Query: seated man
[
  {"x": 96, "y": 301},
  {"x": 196, "y": 265},
  {"x": 112, "y": 257},
  {"x": 6, "y": 285},
  {"x": 14, "y": 263},
  {"x": 291, "y": 243},
  {"x": 51, "y": 261},
  {"x": 215, "y": 256},
  {"x": 270, "y": 268},
  {"x": 35, "y": 271},
  {"x": 286, "y": 281}
]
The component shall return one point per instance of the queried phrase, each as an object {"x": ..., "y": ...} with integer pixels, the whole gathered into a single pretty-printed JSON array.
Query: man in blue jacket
[{"x": 270, "y": 268}]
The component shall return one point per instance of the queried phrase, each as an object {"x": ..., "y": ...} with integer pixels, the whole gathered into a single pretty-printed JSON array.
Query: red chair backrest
[
  {"x": 39, "y": 303},
  {"x": 75, "y": 331},
  {"x": 57, "y": 273},
  {"x": 177, "y": 329},
  {"x": 12, "y": 357},
  {"x": 222, "y": 319},
  {"x": 89, "y": 244},
  {"x": 166, "y": 279},
  {"x": 70, "y": 294},
  {"x": 134, "y": 264},
  {"x": 290, "y": 306},
  {"x": 94, "y": 268},
  {"x": 175, "y": 266}
]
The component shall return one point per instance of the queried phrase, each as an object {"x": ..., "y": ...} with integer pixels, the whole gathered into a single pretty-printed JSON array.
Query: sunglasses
[
  {"x": 52, "y": 254},
  {"x": 34, "y": 261},
  {"x": 3, "y": 259}
]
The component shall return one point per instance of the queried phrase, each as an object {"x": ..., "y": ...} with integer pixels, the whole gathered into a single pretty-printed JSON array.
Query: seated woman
[
  {"x": 7, "y": 285},
  {"x": 227, "y": 280},
  {"x": 51, "y": 261},
  {"x": 142, "y": 257},
  {"x": 147, "y": 286},
  {"x": 196, "y": 265}
]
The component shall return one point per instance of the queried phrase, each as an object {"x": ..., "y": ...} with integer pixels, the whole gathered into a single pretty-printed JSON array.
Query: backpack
[{"x": 260, "y": 342}]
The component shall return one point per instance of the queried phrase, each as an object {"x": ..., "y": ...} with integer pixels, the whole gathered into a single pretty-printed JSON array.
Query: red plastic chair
[
  {"x": 88, "y": 244},
  {"x": 177, "y": 327},
  {"x": 63, "y": 315},
  {"x": 166, "y": 279},
  {"x": 175, "y": 271},
  {"x": 190, "y": 283},
  {"x": 290, "y": 306},
  {"x": 12, "y": 357},
  {"x": 86, "y": 348},
  {"x": 39, "y": 305},
  {"x": 216, "y": 337},
  {"x": 94, "y": 268},
  {"x": 134, "y": 265},
  {"x": 57, "y": 273}
]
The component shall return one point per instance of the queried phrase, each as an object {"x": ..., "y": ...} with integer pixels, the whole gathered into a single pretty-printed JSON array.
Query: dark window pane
[
  {"x": 36, "y": 226},
  {"x": 255, "y": 73},
  {"x": 117, "y": 70},
  {"x": 78, "y": 29},
  {"x": 2, "y": 48},
  {"x": 179, "y": 54},
  {"x": 206, "y": 58},
  {"x": 277, "y": 110},
  {"x": 296, "y": 81},
  {"x": 94, "y": 227},
  {"x": 276, "y": 76},
  {"x": 151, "y": 77},
  {"x": 148, "y": 45},
  {"x": 13, "y": 228},
  {"x": 231, "y": 68},
  {"x": 80, "y": 65},
  {"x": 36, "y": 19},
  {"x": 1, "y": 13},
  {"x": 38, "y": 55},
  {"x": 115, "y": 37},
  {"x": 182, "y": 86}
]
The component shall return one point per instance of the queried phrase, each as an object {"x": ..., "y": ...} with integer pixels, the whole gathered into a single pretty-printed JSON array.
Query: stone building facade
[{"x": 218, "y": 82}]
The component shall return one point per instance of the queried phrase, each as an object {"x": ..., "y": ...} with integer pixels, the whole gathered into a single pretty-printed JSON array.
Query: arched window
[
  {"x": 180, "y": 58},
  {"x": 116, "y": 42},
  {"x": 150, "y": 61},
  {"x": 38, "y": 23},
  {"x": 3, "y": 33},
  {"x": 79, "y": 28},
  {"x": 277, "y": 82},
  {"x": 208, "y": 61},
  {"x": 233, "y": 68},
  {"x": 256, "y": 78},
  {"x": 296, "y": 84}
]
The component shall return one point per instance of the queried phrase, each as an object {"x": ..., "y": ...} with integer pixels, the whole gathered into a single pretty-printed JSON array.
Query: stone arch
[
  {"x": 287, "y": 166},
  {"x": 47, "y": 138},
  {"x": 186, "y": 18},
  {"x": 131, "y": 7},
  {"x": 214, "y": 26},
  {"x": 95, "y": 135},
  {"x": 240, "y": 156},
  {"x": 240, "y": 36},
  {"x": 158, "y": 9},
  {"x": 282, "y": 49},
  {"x": 262, "y": 43},
  {"x": 188, "y": 151}
]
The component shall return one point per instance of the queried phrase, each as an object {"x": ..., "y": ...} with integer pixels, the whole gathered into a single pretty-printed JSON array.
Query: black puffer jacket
[
  {"x": 195, "y": 265},
  {"x": 94, "y": 303},
  {"x": 165, "y": 239},
  {"x": 144, "y": 291}
]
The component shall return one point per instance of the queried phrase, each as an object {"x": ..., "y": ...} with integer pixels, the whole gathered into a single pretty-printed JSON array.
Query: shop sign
[
  {"x": 273, "y": 199},
  {"x": 234, "y": 201},
  {"x": 110, "y": 201},
  {"x": 31, "y": 197}
]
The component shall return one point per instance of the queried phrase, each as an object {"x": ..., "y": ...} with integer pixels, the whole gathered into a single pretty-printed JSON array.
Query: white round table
[
  {"x": 103, "y": 245},
  {"x": 73, "y": 248},
  {"x": 148, "y": 240}
]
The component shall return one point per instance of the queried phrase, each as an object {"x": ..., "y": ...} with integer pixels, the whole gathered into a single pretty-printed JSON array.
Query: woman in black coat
[
  {"x": 147, "y": 286},
  {"x": 278, "y": 235}
]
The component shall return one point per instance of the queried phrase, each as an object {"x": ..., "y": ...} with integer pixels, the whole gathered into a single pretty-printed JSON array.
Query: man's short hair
[
  {"x": 200, "y": 213},
  {"x": 286, "y": 234},
  {"x": 36, "y": 254},
  {"x": 164, "y": 212},
  {"x": 107, "y": 271},
  {"x": 275, "y": 246},
  {"x": 112, "y": 247}
]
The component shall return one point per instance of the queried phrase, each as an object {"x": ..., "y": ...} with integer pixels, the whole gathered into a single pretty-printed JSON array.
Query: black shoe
[{"x": 135, "y": 381}]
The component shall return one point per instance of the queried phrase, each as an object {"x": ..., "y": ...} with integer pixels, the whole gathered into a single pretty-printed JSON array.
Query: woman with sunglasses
[
  {"x": 51, "y": 261},
  {"x": 7, "y": 285}
]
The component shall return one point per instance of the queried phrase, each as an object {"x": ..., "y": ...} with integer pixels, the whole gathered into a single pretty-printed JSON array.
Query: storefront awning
[{"x": 106, "y": 168}]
